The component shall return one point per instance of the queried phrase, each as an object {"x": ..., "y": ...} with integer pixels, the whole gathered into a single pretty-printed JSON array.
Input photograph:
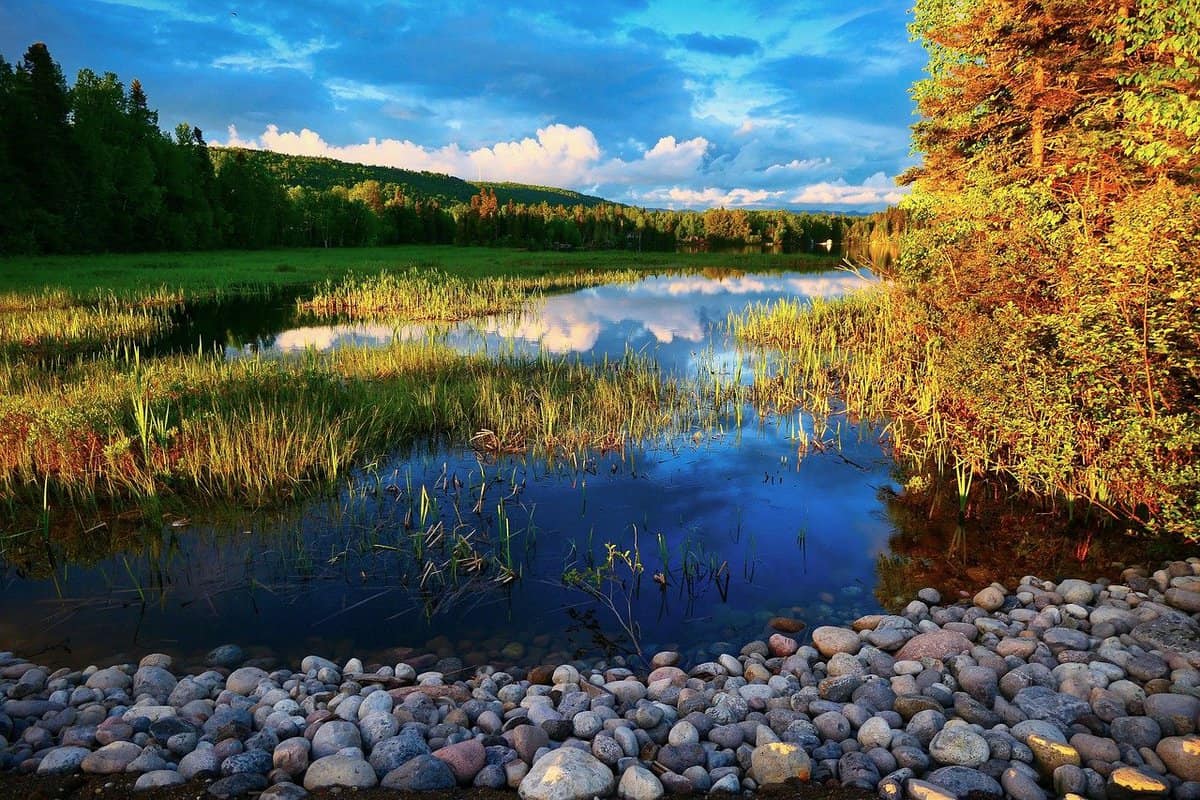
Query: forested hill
[{"x": 321, "y": 174}]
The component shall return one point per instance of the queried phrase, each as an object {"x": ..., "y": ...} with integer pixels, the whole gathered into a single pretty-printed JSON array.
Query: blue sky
[{"x": 663, "y": 103}]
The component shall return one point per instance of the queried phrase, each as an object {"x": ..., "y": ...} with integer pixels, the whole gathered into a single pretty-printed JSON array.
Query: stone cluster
[{"x": 1075, "y": 688}]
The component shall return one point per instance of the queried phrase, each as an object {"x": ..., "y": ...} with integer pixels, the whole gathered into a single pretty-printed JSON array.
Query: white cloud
[
  {"x": 682, "y": 197},
  {"x": 560, "y": 155},
  {"x": 800, "y": 165},
  {"x": 875, "y": 190}
]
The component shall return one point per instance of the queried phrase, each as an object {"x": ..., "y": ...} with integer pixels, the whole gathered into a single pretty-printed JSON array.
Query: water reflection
[
  {"x": 446, "y": 543},
  {"x": 672, "y": 314}
]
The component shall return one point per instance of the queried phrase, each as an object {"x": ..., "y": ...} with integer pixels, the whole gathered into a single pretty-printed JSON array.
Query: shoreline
[{"x": 1070, "y": 688}]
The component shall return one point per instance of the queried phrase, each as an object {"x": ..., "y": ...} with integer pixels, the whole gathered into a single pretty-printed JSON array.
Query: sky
[{"x": 656, "y": 103}]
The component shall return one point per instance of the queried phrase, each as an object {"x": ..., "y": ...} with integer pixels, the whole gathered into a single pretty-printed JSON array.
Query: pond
[{"x": 684, "y": 541}]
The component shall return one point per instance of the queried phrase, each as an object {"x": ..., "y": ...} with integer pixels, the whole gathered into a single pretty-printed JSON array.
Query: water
[{"x": 712, "y": 532}]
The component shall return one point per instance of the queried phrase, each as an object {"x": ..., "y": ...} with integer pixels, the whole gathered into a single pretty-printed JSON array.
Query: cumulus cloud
[
  {"x": 875, "y": 190},
  {"x": 682, "y": 197},
  {"x": 559, "y": 154},
  {"x": 675, "y": 173}
]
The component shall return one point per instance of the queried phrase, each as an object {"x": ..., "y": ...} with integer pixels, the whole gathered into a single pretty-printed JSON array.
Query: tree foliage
[{"x": 1054, "y": 234}]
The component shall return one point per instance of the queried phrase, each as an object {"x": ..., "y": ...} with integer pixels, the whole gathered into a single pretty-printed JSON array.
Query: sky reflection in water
[{"x": 795, "y": 536}]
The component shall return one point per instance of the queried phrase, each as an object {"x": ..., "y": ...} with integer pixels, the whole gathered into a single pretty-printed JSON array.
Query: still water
[{"x": 712, "y": 532}]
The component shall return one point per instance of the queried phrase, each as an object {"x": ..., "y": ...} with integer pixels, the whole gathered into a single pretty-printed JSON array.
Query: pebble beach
[{"x": 1043, "y": 689}]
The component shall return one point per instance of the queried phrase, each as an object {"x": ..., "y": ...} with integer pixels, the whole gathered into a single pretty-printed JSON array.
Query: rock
[
  {"x": 339, "y": 770},
  {"x": 1020, "y": 786},
  {"x": 959, "y": 746},
  {"x": 334, "y": 736},
  {"x": 639, "y": 783},
  {"x": 420, "y": 774},
  {"x": 782, "y": 646},
  {"x": 154, "y": 681},
  {"x": 465, "y": 759},
  {"x": 291, "y": 755},
  {"x": 111, "y": 758},
  {"x": 936, "y": 644},
  {"x": 237, "y": 785},
  {"x": 566, "y": 774},
  {"x": 111, "y": 678},
  {"x": 245, "y": 680},
  {"x": 283, "y": 791},
  {"x": 1060, "y": 639},
  {"x": 200, "y": 760},
  {"x": 875, "y": 732},
  {"x": 157, "y": 779},
  {"x": 779, "y": 762},
  {"x": 62, "y": 760},
  {"x": 1051, "y": 754},
  {"x": 786, "y": 624},
  {"x": 829, "y": 640},
  {"x": 1135, "y": 731},
  {"x": 677, "y": 758},
  {"x": 227, "y": 656},
  {"x": 1176, "y": 714},
  {"x": 1127, "y": 782},
  {"x": 1184, "y": 600},
  {"x": 1181, "y": 755},
  {"x": 527, "y": 740},
  {"x": 989, "y": 599},
  {"x": 916, "y": 789},
  {"x": 1177, "y": 634},
  {"x": 1074, "y": 590},
  {"x": 1040, "y": 702},
  {"x": 963, "y": 781}
]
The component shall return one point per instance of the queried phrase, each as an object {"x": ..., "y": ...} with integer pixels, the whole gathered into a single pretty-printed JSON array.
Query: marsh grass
[
  {"x": 433, "y": 295},
  {"x": 260, "y": 430},
  {"x": 54, "y": 323}
]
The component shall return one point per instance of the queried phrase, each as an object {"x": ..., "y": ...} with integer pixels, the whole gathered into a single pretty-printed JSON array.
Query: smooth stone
[
  {"x": 940, "y": 644},
  {"x": 1130, "y": 782},
  {"x": 962, "y": 781},
  {"x": 283, "y": 791},
  {"x": 291, "y": 755},
  {"x": 1020, "y": 786},
  {"x": 1176, "y": 714},
  {"x": 989, "y": 598},
  {"x": 334, "y": 736},
  {"x": 423, "y": 773},
  {"x": 465, "y": 759},
  {"x": 226, "y": 655},
  {"x": 339, "y": 770},
  {"x": 779, "y": 762},
  {"x": 1040, "y": 702},
  {"x": 237, "y": 785},
  {"x": 1051, "y": 754},
  {"x": 1181, "y": 755},
  {"x": 200, "y": 760},
  {"x": 959, "y": 746},
  {"x": 639, "y": 783},
  {"x": 157, "y": 779},
  {"x": 829, "y": 640},
  {"x": 567, "y": 774},
  {"x": 111, "y": 758},
  {"x": 916, "y": 789},
  {"x": 62, "y": 760}
]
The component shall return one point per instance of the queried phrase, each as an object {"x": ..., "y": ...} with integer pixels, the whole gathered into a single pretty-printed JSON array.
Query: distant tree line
[{"x": 86, "y": 168}]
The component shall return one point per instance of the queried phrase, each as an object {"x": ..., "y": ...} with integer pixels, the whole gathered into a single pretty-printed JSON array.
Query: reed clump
[
  {"x": 258, "y": 430},
  {"x": 54, "y": 322},
  {"x": 423, "y": 295}
]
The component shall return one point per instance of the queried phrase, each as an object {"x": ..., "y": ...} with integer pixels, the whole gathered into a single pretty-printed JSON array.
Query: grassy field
[{"x": 206, "y": 273}]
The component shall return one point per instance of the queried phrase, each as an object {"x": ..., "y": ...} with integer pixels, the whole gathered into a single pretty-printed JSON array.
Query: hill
[{"x": 323, "y": 173}]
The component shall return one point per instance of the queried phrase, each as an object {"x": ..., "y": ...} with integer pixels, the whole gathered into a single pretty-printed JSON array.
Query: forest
[
  {"x": 88, "y": 169},
  {"x": 1047, "y": 302}
]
